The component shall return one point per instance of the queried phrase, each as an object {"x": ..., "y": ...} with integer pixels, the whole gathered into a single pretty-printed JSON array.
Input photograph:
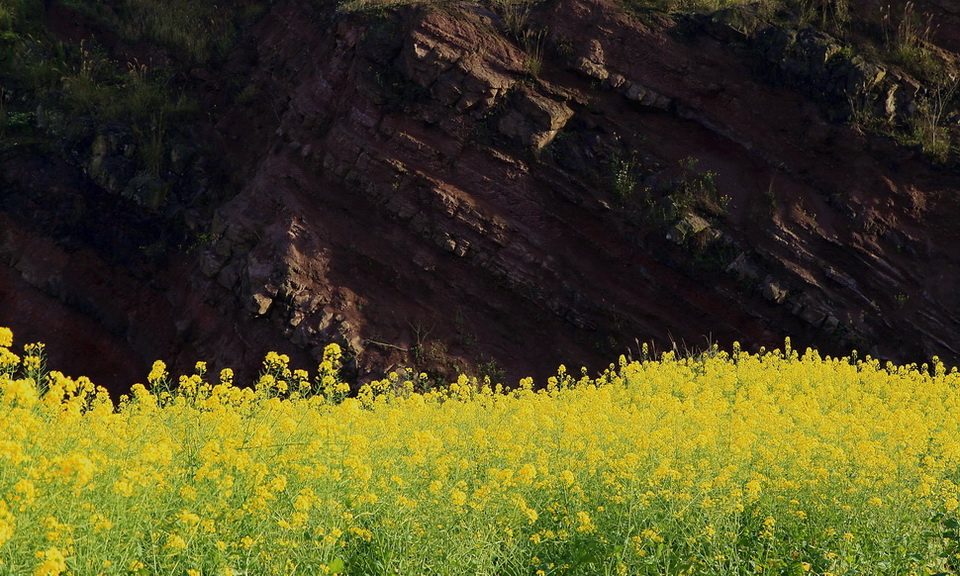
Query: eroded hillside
[{"x": 456, "y": 186}]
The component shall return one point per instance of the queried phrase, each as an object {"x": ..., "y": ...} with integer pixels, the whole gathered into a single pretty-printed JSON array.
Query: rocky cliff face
[{"x": 428, "y": 188}]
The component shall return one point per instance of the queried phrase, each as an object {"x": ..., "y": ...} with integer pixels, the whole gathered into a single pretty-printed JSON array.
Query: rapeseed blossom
[
  {"x": 7, "y": 523},
  {"x": 53, "y": 562},
  {"x": 721, "y": 464}
]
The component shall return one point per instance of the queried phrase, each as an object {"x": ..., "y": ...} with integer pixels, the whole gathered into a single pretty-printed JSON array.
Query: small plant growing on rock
[
  {"x": 515, "y": 14},
  {"x": 928, "y": 129},
  {"x": 863, "y": 104},
  {"x": 833, "y": 15},
  {"x": 623, "y": 177},
  {"x": 533, "y": 43},
  {"x": 909, "y": 40},
  {"x": 701, "y": 188},
  {"x": 901, "y": 299}
]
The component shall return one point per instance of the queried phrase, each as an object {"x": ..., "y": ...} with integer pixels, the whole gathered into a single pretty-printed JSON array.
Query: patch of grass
[
  {"x": 201, "y": 30},
  {"x": 831, "y": 15},
  {"x": 907, "y": 36},
  {"x": 623, "y": 173},
  {"x": 140, "y": 98},
  {"x": 489, "y": 371},
  {"x": 515, "y": 14},
  {"x": 699, "y": 188},
  {"x": 532, "y": 43},
  {"x": 59, "y": 88},
  {"x": 34, "y": 65},
  {"x": 928, "y": 128}
]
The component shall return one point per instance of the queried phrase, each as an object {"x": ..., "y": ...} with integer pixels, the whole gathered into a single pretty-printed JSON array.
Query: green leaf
[{"x": 336, "y": 566}]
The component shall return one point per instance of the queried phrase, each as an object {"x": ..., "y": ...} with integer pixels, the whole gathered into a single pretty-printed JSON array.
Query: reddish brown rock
[{"x": 405, "y": 187}]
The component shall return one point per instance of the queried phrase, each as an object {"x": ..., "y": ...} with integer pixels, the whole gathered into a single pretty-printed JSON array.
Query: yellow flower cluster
[{"x": 720, "y": 464}]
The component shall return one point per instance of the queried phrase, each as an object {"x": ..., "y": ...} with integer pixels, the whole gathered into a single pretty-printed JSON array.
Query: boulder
[
  {"x": 688, "y": 226},
  {"x": 821, "y": 66},
  {"x": 444, "y": 56},
  {"x": 773, "y": 291},
  {"x": 533, "y": 119},
  {"x": 735, "y": 24},
  {"x": 591, "y": 69},
  {"x": 591, "y": 61}
]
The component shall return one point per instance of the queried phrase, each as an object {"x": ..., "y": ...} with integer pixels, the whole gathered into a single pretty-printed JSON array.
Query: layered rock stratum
[{"x": 432, "y": 189}]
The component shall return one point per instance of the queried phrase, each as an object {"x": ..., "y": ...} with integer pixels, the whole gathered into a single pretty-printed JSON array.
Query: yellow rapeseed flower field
[{"x": 717, "y": 465}]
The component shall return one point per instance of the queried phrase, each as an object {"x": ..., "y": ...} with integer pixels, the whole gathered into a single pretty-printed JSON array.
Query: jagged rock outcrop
[
  {"x": 401, "y": 183},
  {"x": 823, "y": 67},
  {"x": 429, "y": 181},
  {"x": 826, "y": 68},
  {"x": 532, "y": 119},
  {"x": 461, "y": 68}
]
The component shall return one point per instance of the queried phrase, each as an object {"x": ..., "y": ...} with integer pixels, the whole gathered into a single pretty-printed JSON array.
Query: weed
[
  {"x": 563, "y": 46},
  {"x": 694, "y": 187},
  {"x": 421, "y": 335},
  {"x": 946, "y": 536},
  {"x": 150, "y": 144},
  {"x": 12, "y": 120},
  {"x": 533, "y": 45},
  {"x": 515, "y": 14},
  {"x": 934, "y": 137},
  {"x": 348, "y": 6},
  {"x": 490, "y": 371},
  {"x": 467, "y": 338},
  {"x": 910, "y": 39},
  {"x": 862, "y": 105},
  {"x": 623, "y": 177},
  {"x": 833, "y": 15},
  {"x": 35, "y": 65}
]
